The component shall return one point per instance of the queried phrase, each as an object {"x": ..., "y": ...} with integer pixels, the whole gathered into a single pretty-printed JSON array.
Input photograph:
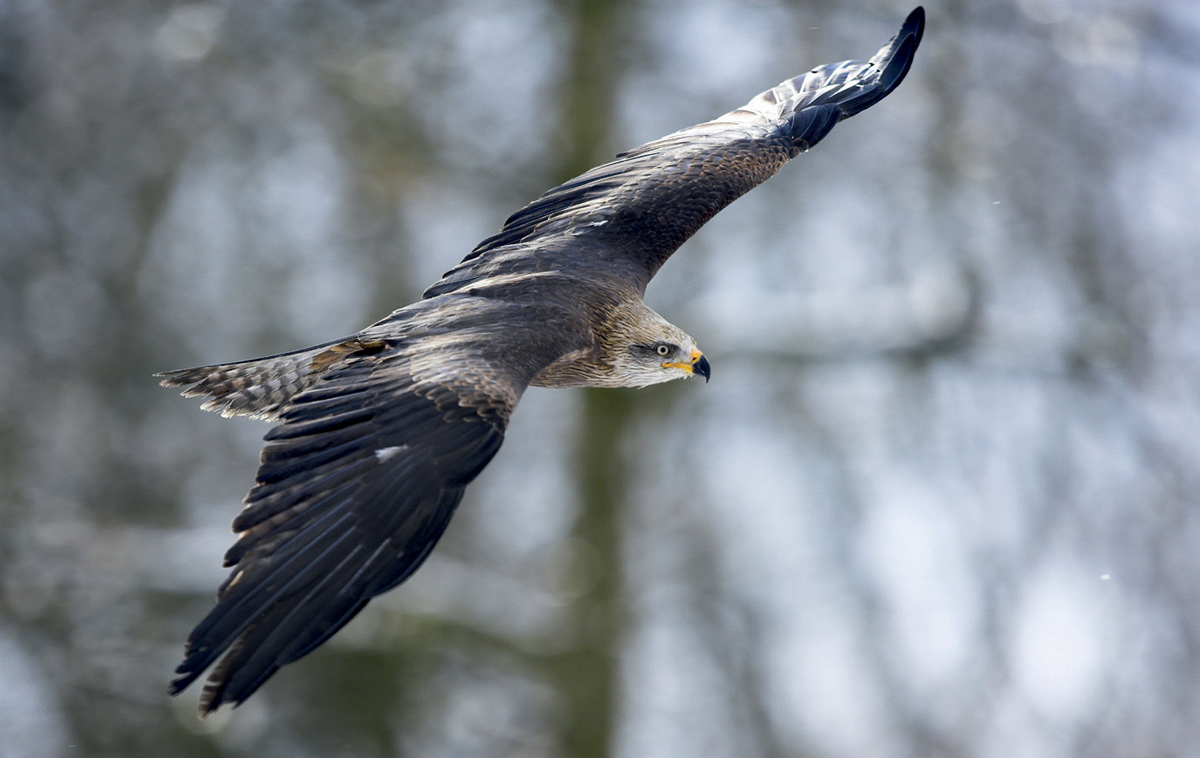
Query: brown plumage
[{"x": 379, "y": 433}]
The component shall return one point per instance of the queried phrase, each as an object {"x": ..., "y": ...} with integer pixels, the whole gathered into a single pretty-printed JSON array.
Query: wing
[
  {"x": 628, "y": 216},
  {"x": 361, "y": 477}
]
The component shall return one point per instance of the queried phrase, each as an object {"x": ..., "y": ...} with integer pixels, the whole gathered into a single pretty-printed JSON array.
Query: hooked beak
[{"x": 698, "y": 367}]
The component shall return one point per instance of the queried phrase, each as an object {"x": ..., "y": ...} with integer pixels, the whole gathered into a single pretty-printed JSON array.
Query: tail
[{"x": 261, "y": 388}]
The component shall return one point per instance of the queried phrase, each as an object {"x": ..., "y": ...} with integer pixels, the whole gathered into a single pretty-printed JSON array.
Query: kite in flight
[{"x": 378, "y": 434}]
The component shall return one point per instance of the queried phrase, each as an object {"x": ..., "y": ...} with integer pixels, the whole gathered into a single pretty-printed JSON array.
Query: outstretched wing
[
  {"x": 628, "y": 216},
  {"x": 361, "y": 477}
]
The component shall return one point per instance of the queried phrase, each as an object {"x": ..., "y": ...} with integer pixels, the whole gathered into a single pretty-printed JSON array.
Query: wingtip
[
  {"x": 884, "y": 72},
  {"x": 906, "y": 41},
  {"x": 212, "y": 698},
  {"x": 213, "y": 695},
  {"x": 914, "y": 24},
  {"x": 896, "y": 57},
  {"x": 187, "y": 673},
  {"x": 179, "y": 684}
]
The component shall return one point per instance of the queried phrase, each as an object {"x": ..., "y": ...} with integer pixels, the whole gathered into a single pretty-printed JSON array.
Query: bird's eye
[{"x": 663, "y": 349}]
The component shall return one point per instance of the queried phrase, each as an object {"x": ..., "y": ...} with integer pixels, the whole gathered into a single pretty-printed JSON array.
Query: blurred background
[{"x": 939, "y": 499}]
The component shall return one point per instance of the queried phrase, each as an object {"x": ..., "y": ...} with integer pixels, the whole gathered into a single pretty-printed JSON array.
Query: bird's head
[{"x": 648, "y": 350}]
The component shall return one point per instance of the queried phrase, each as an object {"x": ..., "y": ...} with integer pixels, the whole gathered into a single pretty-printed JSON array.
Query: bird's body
[{"x": 379, "y": 433}]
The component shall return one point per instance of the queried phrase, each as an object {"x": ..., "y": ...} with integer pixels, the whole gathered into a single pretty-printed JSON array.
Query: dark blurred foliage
[{"x": 939, "y": 499}]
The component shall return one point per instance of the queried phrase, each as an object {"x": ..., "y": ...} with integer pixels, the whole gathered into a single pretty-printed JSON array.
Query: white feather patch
[{"x": 385, "y": 454}]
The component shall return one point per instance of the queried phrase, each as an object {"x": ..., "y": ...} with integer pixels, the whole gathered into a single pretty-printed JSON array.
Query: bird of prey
[{"x": 378, "y": 434}]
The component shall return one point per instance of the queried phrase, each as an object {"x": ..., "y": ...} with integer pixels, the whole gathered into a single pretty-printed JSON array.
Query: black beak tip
[{"x": 702, "y": 368}]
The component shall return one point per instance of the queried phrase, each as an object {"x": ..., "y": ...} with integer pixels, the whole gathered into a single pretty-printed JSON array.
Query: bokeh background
[{"x": 939, "y": 499}]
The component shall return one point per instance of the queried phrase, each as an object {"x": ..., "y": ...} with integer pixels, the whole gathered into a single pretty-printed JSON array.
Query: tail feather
[
  {"x": 262, "y": 387},
  {"x": 257, "y": 388}
]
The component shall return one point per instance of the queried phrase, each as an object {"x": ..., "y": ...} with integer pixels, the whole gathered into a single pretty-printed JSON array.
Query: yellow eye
[{"x": 663, "y": 350}]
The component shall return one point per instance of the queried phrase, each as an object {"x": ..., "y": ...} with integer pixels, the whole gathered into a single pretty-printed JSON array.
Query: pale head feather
[{"x": 633, "y": 342}]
